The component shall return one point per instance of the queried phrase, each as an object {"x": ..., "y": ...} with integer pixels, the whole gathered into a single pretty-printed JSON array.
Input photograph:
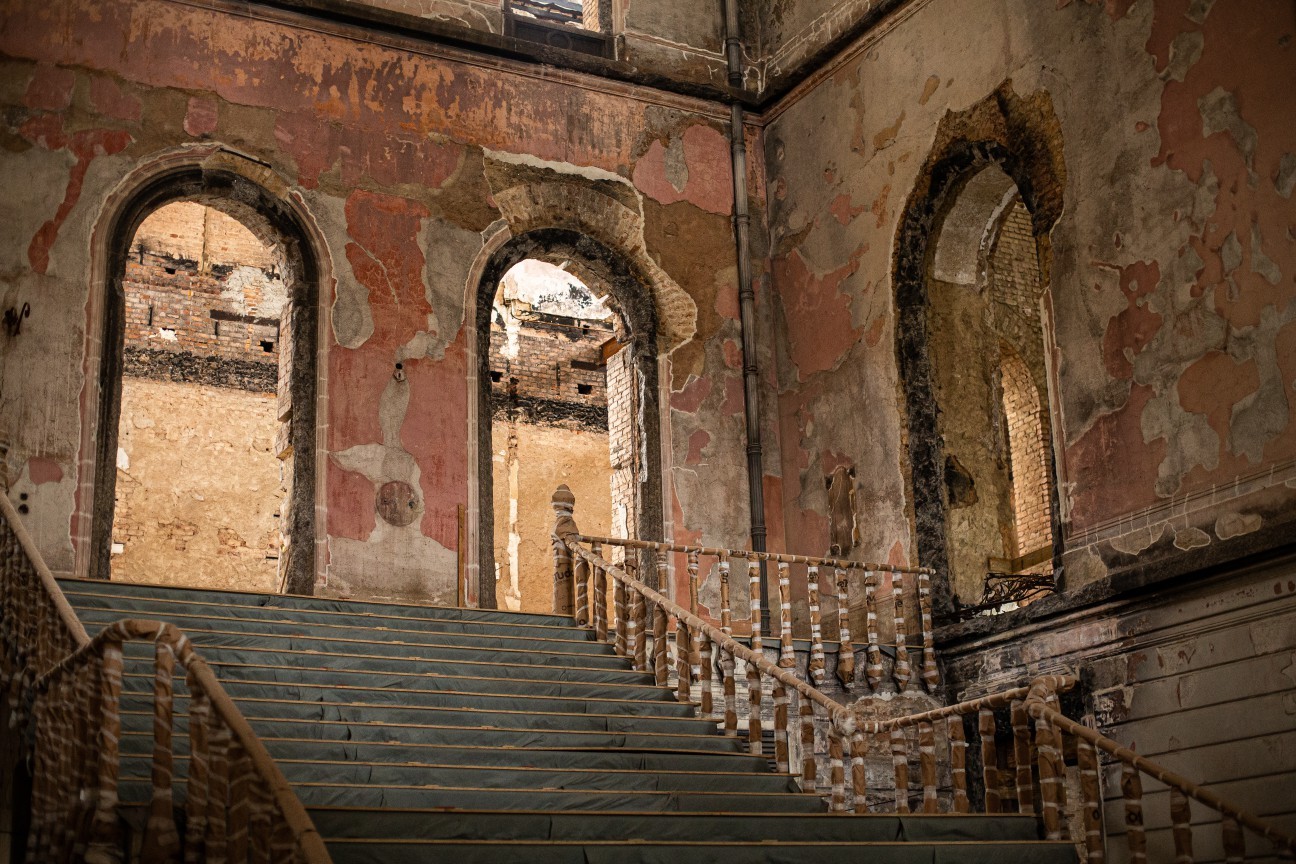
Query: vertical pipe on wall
[{"x": 746, "y": 298}]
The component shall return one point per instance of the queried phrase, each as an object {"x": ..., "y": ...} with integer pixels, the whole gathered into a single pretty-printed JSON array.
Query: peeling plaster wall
[
  {"x": 384, "y": 149},
  {"x": 1171, "y": 269}
]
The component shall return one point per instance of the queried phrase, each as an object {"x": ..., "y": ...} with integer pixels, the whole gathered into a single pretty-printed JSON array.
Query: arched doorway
[
  {"x": 626, "y": 361},
  {"x": 243, "y": 282},
  {"x": 973, "y": 343}
]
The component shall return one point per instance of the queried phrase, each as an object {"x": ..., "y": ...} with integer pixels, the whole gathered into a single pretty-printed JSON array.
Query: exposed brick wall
[
  {"x": 1015, "y": 281},
  {"x": 1015, "y": 292},
  {"x": 187, "y": 291},
  {"x": 554, "y": 372},
  {"x": 623, "y": 446},
  {"x": 1032, "y": 507}
]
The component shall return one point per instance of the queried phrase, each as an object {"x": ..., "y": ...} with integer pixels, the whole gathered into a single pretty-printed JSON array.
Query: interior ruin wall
[{"x": 396, "y": 155}]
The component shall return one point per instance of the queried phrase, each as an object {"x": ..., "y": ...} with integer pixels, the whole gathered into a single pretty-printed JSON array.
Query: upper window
[{"x": 572, "y": 25}]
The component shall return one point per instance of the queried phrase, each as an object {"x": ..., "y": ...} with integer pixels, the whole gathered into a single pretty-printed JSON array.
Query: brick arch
[
  {"x": 607, "y": 272},
  {"x": 1021, "y": 136},
  {"x": 257, "y": 197},
  {"x": 603, "y": 208}
]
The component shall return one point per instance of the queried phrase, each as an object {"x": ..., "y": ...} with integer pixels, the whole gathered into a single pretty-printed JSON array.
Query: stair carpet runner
[{"x": 419, "y": 733}]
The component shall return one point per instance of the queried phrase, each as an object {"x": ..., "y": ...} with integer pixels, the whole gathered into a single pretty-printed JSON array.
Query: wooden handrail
[
  {"x": 747, "y": 554},
  {"x": 1038, "y": 699}
]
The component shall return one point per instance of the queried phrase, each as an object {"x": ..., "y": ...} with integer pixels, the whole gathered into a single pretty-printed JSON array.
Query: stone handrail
[
  {"x": 67, "y": 686},
  {"x": 841, "y": 567}
]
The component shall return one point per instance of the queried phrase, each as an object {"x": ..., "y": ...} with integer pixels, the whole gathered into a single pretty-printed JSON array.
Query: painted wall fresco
[
  {"x": 386, "y": 151},
  {"x": 1172, "y": 264}
]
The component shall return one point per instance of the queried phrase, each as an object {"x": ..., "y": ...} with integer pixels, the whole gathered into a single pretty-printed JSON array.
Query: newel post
[{"x": 564, "y": 504}]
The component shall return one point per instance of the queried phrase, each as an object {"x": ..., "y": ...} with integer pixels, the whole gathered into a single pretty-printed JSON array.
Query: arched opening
[
  {"x": 567, "y": 391},
  {"x": 975, "y": 364},
  {"x": 205, "y": 472}
]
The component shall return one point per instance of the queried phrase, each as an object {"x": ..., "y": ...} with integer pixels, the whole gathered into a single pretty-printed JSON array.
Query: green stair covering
[{"x": 419, "y": 734}]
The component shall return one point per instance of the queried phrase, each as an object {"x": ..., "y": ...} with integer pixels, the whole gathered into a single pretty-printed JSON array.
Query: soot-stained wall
[
  {"x": 402, "y": 164},
  {"x": 1159, "y": 170}
]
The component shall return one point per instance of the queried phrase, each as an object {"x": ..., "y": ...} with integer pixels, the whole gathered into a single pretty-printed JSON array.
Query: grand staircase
[{"x": 420, "y": 734}]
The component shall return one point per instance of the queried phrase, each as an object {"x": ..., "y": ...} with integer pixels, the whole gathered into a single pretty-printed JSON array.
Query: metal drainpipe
[{"x": 746, "y": 304}]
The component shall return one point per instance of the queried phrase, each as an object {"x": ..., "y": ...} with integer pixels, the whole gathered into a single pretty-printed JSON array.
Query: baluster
[
  {"x": 989, "y": 760},
  {"x": 663, "y": 574},
  {"x": 1051, "y": 777},
  {"x": 809, "y": 765},
  {"x": 283, "y": 847},
  {"x": 787, "y": 655},
  {"x": 1023, "y": 757},
  {"x": 218, "y": 796},
  {"x": 241, "y": 779},
  {"x": 683, "y": 692},
  {"x": 753, "y": 586},
  {"x": 900, "y": 766},
  {"x": 704, "y": 678},
  {"x": 958, "y": 762},
  {"x": 1087, "y": 757},
  {"x": 816, "y": 628},
  {"x": 726, "y": 613},
  {"x": 694, "y": 648},
  {"x": 92, "y": 688},
  {"x": 1234, "y": 841},
  {"x": 619, "y": 607},
  {"x": 580, "y": 576},
  {"x": 691, "y": 568},
  {"x": 105, "y": 834},
  {"x": 730, "y": 694},
  {"x": 902, "y": 672},
  {"x": 1132, "y": 789},
  {"x": 859, "y": 776},
  {"x": 837, "y": 761},
  {"x": 640, "y": 619},
  {"x": 1181, "y": 820},
  {"x": 845, "y": 650},
  {"x": 660, "y": 669},
  {"x": 197, "y": 783},
  {"x": 600, "y": 595},
  {"x": 927, "y": 765},
  {"x": 930, "y": 676},
  {"x": 781, "y": 757},
  {"x": 161, "y": 836},
  {"x": 261, "y": 823},
  {"x": 873, "y": 666},
  {"x": 45, "y": 791},
  {"x": 755, "y": 699}
]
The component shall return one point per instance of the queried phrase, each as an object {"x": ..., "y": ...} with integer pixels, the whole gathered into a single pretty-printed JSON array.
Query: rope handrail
[
  {"x": 747, "y": 554},
  {"x": 73, "y": 685},
  {"x": 1038, "y": 704}
]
